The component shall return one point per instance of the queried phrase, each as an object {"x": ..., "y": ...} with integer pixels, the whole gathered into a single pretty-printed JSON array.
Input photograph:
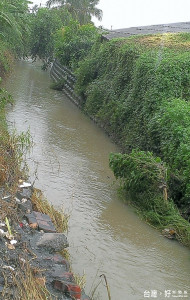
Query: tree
[
  {"x": 81, "y": 10},
  {"x": 73, "y": 42},
  {"x": 13, "y": 23},
  {"x": 11, "y": 13},
  {"x": 44, "y": 24}
]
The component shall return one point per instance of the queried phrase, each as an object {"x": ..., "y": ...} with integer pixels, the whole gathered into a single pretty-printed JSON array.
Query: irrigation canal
[{"x": 70, "y": 158}]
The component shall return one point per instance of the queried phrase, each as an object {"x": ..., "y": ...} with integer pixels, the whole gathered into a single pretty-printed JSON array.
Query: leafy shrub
[
  {"x": 59, "y": 85},
  {"x": 6, "y": 59},
  {"x": 146, "y": 179},
  {"x": 73, "y": 42},
  {"x": 43, "y": 27},
  {"x": 173, "y": 117},
  {"x": 141, "y": 174}
]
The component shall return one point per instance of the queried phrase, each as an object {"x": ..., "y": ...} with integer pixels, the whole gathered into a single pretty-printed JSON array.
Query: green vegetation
[
  {"x": 32, "y": 33},
  {"x": 14, "y": 25},
  {"x": 58, "y": 85},
  {"x": 139, "y": 90},
  {"x": 12, "y": 149},
  {"x": 80, "y": 10},
  {"x": 6, "y": 59},
  {"x": 41, "y": 204},
  {"x": 73, "y": 42},
  {"x": 145, "y": 179},
  {"x": 14, "y": 32},
  {"x": 23, "y": 34},
  {"x": 60, "y": 31},
  {"x": 44, "y": 24}
]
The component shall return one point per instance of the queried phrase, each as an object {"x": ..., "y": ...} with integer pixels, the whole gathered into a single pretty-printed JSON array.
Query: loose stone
[{"x": 55, "y": 242}]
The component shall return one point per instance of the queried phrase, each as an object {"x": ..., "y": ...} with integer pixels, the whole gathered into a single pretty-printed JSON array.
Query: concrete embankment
[{"x": 59, "y": 72}]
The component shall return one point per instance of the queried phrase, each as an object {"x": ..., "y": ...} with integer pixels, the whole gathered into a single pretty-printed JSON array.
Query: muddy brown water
[{"x": 70, "y": 158}]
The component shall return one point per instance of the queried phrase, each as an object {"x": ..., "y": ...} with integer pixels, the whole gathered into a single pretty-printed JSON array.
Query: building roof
[{"x": 153, "y": 29}]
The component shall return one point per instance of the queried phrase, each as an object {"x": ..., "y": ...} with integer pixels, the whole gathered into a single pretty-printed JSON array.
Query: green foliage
[
  {"x": 142, "y": 174},
  {"x": 43, "y": 26},
  {"x": 59, "y": 85},
  {"x": 145, "y": 178},
  {"x": 5, "y": 98},
  {"x": 14, "y": 27},
  {"x": 173, "y": 117},
  {"x": 73, "y": 42},
  {"x": 6, "y": 58},
  {"x": 139, "y": 89},
  {"x": 80, "y": 10}
]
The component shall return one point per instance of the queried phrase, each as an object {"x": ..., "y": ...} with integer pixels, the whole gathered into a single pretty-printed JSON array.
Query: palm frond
[{"x": 49, "y": 3}]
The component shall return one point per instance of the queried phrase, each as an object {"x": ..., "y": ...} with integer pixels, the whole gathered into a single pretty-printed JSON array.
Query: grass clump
[
  {"x": 59, "y": 219},
  {"x": 6, "y": 59},
  {"x": 27, "y": 284},
  {"x": 145, "y": 178},
  {"x": 59, "y": 85}
]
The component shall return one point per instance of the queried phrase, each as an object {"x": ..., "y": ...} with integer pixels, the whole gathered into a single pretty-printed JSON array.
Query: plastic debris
[
  {"x": 13, "y": 242},
  {"x": 6, "y": 197},
  {"x": 17, "y": 200},
  {"x": 24, "y": 200},
  {"x": 25, "y": 184},
  {"x": 2, "y": 232},
  {"x": 9, "y": 268},
  {"x": 169, "y": 233}
]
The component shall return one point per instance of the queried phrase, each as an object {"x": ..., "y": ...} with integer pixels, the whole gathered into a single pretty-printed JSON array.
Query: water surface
[{"x": 70, "y": 158}]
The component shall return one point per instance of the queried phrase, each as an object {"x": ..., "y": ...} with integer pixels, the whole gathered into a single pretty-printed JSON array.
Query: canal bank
[
  {"x": 70, "y": 155},
  {"x": 34, "y": 261},
  {"x": 125, "y": 88}
]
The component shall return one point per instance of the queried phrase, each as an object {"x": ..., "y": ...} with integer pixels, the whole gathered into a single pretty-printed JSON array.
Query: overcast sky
[{"x": 129, "y": 13}]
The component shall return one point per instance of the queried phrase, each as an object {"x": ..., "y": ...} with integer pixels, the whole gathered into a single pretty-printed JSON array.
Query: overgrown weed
[
  {"x": 41, "y": 204},
  {"x": 146, "y": 178}
]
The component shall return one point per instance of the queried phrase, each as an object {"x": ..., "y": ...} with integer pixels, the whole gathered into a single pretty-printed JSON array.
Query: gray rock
[
  {"x": 26, "y": 207},
  {"x": 42, "y": 221},
  {"x": 24, "y": 193},
  {"x": 53, "y": 242},
  {"x": 57, "y": 259},
  {"x": 60, "y": 272}
]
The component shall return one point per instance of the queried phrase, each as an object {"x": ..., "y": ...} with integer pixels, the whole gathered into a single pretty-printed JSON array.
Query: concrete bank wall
[{"x": 59, "y": 72}]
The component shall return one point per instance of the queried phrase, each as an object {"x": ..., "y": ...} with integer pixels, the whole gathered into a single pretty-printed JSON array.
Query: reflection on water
[{"x": 70, "y": 155}]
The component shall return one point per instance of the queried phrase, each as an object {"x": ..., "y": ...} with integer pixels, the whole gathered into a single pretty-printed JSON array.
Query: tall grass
[{"x": 41, "y": 204}]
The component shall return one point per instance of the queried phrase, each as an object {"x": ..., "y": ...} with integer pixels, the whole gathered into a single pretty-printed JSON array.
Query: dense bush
[
  {"x": 14, "y": 25},
  {"x": 43, "y": 27},
  {"x": 145, "y": 178},
  {"x": 138, "y": 89},
  {"x": 73, "y": 42},
  {"x": 6, "y": 58}
]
